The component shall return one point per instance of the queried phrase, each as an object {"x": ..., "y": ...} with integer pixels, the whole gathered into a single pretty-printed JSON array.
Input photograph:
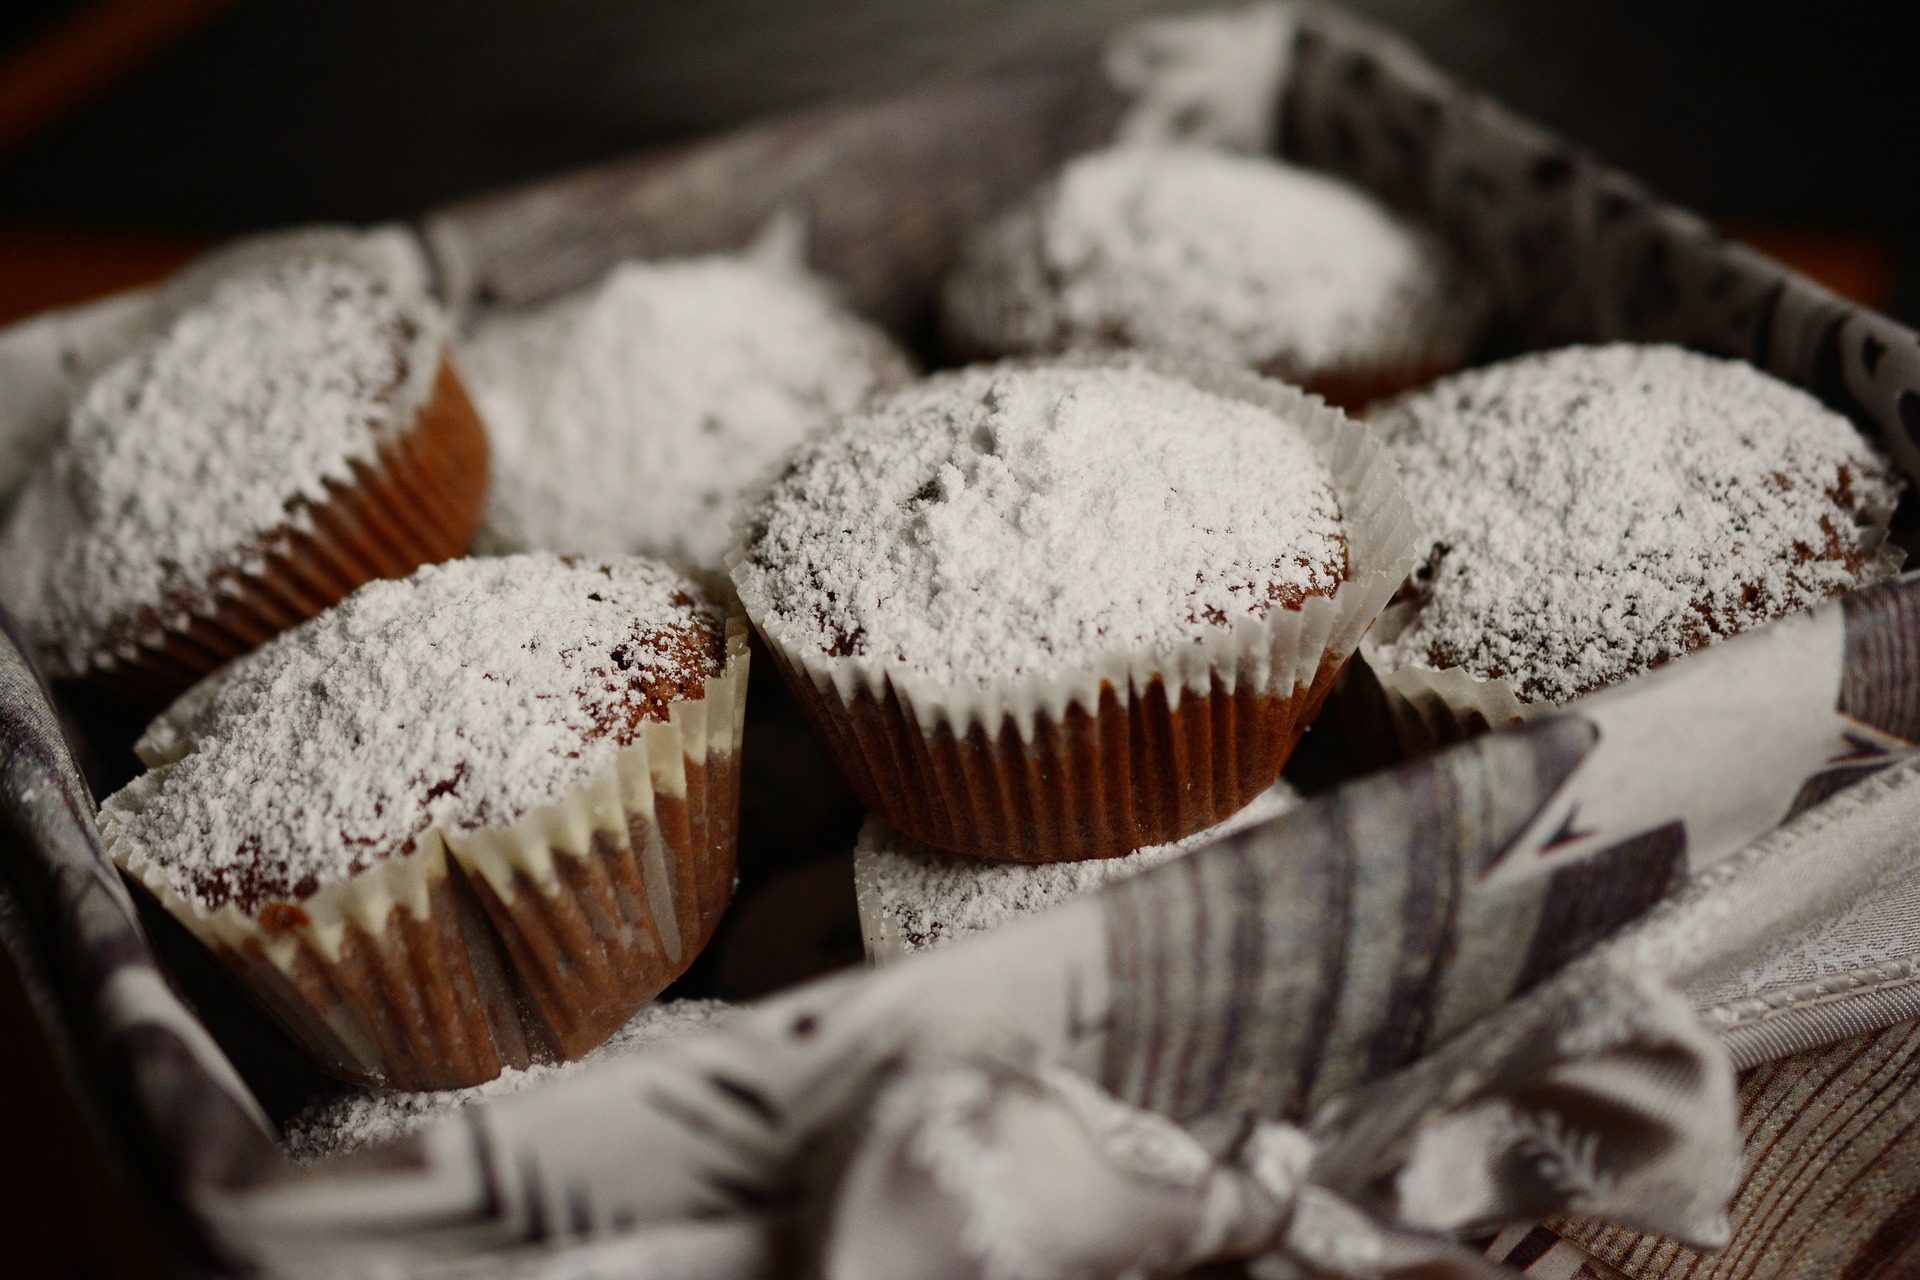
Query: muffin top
[
  {"x": 1016, "y": 520},
  {"x": 1597, "y": 511},
  {"x": 182, "y": 458},
  {"x": 48, "y": 359},
  {"x": 1203, "y": 254},
  {"x": 628, "y": 418},
  {"x": 461, "y": 697}
]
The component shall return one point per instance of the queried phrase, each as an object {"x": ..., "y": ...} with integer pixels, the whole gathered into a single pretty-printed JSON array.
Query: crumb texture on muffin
[
  {"x": 628, "y": 418},
  {"x": 183, "y": 456},
  {"x": 1197, "y": 253},
  {"x": 1035, "y": 520},
  {"x": 1597, "y": 511},
  {"x": 462, "y": 697}
]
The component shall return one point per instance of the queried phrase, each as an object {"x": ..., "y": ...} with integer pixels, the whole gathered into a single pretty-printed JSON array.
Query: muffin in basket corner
[
  {"x": 465, "y": 820},
  {"x": 289, "y": 431}
]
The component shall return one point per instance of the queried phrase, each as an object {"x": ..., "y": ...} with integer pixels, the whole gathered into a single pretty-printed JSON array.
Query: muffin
[
  {"x": 628, "y": 418},
  {"x": 462, "y": 821},
  {"x": 48, "y": 360},
  {"x": 1595, "y": 512},
  {"x": 293, "y": 433},
  {"x": 914, "y": 898},
  {"x": 1203, "y": 255},
  {"x": 1061, "y": 611}
]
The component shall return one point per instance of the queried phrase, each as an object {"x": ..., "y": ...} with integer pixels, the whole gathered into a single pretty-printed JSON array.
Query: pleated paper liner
[
  {"x": 605, "y": 899},
  {"x": 1386, "y": 716},
  {"x": 1133, "y": 772},
  {"x": 498, "y": 947},
  {"x": 1142, "y": 750},
  {"x": 419, "y": 503}
]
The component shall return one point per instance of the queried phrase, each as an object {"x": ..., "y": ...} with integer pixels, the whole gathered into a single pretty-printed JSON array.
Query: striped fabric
[{"x": 1542, "y": 1254}]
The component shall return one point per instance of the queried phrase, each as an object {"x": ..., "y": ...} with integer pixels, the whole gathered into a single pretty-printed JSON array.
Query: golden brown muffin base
[
  {"x": 1091, "y": 785},
  {"x": 418, "y": 504}
]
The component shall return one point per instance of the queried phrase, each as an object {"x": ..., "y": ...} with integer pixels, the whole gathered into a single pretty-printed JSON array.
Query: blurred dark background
[
  {"x": 174, "y": 122},
  {"x": 135, "y": 132}
]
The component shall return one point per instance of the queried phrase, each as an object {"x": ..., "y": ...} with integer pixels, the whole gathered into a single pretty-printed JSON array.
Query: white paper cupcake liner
[
  {"x": 552, "y": 934},
  {"x": 1106, "y": 760}
]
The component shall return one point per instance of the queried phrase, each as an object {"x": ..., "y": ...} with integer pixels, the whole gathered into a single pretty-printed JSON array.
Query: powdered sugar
[
  {"x": 181, "y": 457},
  {"x": 914, "y": 898},
  {"x": 1201, "y": 254},
  {"x": 462, "y": 697},
  {"x": 1604, "y": 509},
  {"x": 48, "y": 360},
  {"x": 628, "y": 418},
  {"x": 1014, "y": 520},
  {"x": 361, "y": 1117}
]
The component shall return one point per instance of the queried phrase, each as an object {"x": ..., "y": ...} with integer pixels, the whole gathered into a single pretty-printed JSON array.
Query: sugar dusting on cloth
[
  {"x": 914, "y": 897},
  {"x": 360, "y": 1117}
]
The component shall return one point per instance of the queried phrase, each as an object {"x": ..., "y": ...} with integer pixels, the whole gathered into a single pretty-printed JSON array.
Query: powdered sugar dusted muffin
[
  {"x": 628, "y": 418},
  {"x": 521, "y": 765},
  {"x": 915, "y": 898},
  {"x": 1064, "y": 611},
  {"x": 293, "y": 435},
  {"x": 1597, "y": 511},
  {"x": 1201, "y": 254},
  {"x": 48, "y": 360}
]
